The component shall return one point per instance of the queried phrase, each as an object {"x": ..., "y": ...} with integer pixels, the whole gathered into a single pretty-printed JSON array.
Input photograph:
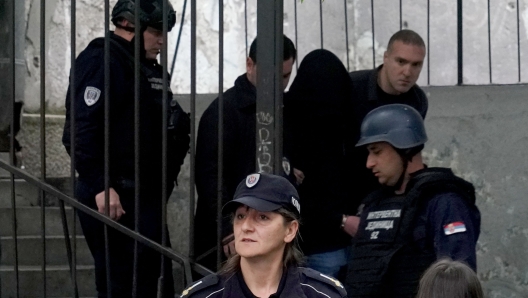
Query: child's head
[{"x": 449, "y": 279}]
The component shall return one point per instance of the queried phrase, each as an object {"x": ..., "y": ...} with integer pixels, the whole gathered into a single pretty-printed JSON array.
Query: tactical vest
[{"x": 390, "y": 252}]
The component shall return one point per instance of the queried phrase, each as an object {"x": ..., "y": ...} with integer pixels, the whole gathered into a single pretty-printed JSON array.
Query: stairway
[{"x": 30, "y": 246}]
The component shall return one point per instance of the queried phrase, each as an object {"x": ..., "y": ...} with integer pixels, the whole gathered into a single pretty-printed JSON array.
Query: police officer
[
  {"x": 90, "y": 144},
  {"x": 420, "y": 215},
  {"x": 265, "y": 215}
]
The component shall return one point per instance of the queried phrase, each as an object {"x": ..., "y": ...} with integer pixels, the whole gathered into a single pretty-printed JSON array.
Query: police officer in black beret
[
  {"x": 420, "y": 215},
  {"x": 89, "y": 142},
  {"x": 265, "y": 215}
]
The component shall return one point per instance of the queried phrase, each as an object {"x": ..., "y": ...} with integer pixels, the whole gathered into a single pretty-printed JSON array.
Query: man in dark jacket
[
  {"x": 419, "y": 216},
  {"x": 89, "y": 149},
  {"x": 239, "y": 151},
  {"x": 392, "y": 82}
]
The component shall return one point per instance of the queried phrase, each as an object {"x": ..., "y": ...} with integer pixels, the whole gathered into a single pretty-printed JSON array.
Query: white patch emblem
[
  {"x": 91, "y": 95},
  {"x": 296, "y": 204},
  {"x": 286, "y": 166},
  {"x": 252, "y": 180}
]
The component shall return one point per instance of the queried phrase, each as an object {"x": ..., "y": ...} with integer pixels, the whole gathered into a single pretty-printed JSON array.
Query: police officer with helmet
[
  {"x": 90, "y": 144},
  {"x": 420, "y": 214}
]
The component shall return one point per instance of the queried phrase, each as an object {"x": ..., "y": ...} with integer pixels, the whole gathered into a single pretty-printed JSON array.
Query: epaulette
[
  {"x": 203, "y": 283},
  {"x": 313, "y": 274}
]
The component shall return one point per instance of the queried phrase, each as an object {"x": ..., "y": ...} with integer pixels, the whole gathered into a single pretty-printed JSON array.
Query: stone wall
[{"x": 441, "y": 48}]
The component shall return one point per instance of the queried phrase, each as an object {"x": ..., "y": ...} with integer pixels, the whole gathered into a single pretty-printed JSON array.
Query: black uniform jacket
[
  {"x": 296, "y": 282},
  {"x": 89, "y": 104},
  {"x": 367, "y": 95},
  {"x": 238, "y": 157}
]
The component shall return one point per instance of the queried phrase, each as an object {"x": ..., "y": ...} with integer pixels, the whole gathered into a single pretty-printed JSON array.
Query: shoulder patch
[
  {"x": 91, "y": 95},
  {"x": 201, "y": 284},
  {"x": 313, "y": 274},
  {"x": 454, "y": 227}
]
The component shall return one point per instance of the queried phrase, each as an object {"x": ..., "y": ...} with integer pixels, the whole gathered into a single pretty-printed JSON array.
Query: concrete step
[
  {"x": 4, "y": 156},
  {"x": 30, "y": 251},
  {"x": 29, "y": 221},
  {"x": 58, "y": 281},
  {"x": 25, "y": 194}
]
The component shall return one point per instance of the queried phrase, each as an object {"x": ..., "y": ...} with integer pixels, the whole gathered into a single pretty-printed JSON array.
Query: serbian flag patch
[{"x": 455, "y": 227}]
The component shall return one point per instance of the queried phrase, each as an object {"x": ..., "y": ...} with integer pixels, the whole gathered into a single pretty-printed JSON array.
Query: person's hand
[
  {"x": 299, "y": 176},
  {"x": 351, "y": 225},
  {"x": 229, "y": 245},
  {"x": 116, "y": 210}
]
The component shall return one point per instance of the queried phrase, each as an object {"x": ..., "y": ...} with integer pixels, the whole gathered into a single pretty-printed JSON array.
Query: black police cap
[{"x": 265, "y": 192}]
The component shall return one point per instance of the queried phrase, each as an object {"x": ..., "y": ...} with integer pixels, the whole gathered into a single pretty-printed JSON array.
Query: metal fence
[{"x": 269, "y": 101}]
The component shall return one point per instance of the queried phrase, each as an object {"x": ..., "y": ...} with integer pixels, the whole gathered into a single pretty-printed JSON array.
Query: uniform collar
[
  {"x": 289, "y": 286},
  {"x": 128, "y": 45}
]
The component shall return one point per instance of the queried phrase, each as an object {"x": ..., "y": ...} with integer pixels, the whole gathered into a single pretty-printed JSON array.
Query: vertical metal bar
[
  {"x": 43, "y": 137},
  {"x": 401, "y": 15},
  {"x": 179, "y": 38},
  {"x": 220, "y": 130},
  {"x": 68, "y": 244},
  {"x": 279, "y": 88},
  {"x": 107, "y": 140},
  {"x": 428, "y": 43},
  {"x": 373, "y": 38},
  {"x": 73, "y": 267},
  {"x": 346, "y": 36},
  {"x": 246, "y": 26},
  {"x": 269, "y": 84},
  {"x": 460, "y": 66},
  {"x": 164, "y": 125},
  {"x": 137, "y": 140},
  {"x": 296, "y": 45},
  {"x": 489, "y": 43},
  {"x": 518, "y": 45},
  {"x": 12, "y": 145},
  {"x": 193, "y": 129},
  {"x": 321, "y": 20}
]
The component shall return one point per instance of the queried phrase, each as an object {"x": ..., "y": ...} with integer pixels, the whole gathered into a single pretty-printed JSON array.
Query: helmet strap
[
  {"x": 142, "y": 51},
  {"x": 129, "y": 29},
  {"x": 401, "y": 179}
]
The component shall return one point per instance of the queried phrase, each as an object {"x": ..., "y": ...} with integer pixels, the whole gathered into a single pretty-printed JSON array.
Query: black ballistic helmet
[
  {"x": 151, "y": 13},
  {"x": 397, "y": 124}
]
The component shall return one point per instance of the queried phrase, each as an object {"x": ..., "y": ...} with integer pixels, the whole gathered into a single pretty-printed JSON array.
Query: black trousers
[{"x": 121, "y": 247}]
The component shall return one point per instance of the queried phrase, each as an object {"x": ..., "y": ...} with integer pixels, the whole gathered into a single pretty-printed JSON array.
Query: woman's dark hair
[
  {"x": 292, "y": 254},
  {"x": 449, "y": 279}
]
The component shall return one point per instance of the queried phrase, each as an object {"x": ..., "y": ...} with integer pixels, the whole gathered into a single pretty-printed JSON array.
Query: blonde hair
[
  {"x": 449, "y": 279},
  {"x": 292, "y": 255}
]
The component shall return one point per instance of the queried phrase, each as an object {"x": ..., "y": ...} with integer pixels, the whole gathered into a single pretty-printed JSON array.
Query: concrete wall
[
  {"x": 479, "y": 132},
  {"x": 441, "y": 49}
]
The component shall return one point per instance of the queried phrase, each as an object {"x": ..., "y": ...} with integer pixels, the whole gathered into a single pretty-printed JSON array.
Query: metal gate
[{"x": 269, "y": 101}]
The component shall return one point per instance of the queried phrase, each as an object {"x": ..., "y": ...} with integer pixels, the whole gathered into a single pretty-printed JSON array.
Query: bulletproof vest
[{"x": 390, "y": 252}]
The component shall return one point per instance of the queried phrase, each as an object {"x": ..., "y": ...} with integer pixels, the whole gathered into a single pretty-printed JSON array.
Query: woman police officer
[{"x": 265, "y": 215}]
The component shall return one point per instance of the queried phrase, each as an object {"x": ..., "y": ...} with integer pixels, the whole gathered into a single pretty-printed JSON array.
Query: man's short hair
[
  {"x": 289, "y": 50},
  {"x": 407, "y": 37}
]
